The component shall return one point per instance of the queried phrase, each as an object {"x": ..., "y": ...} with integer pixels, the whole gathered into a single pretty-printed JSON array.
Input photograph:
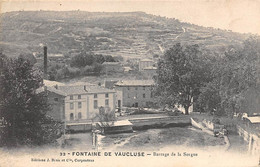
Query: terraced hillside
[{"x": 134, "y": 34}]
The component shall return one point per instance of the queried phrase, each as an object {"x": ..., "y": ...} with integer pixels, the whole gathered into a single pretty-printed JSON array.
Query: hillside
[{"x": 134, "y": 34}]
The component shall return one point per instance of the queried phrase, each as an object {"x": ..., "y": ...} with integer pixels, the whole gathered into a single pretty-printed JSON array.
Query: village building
[
  {"x": 150, "y": 71},
  {"x": 56, "y": 100},
  {"x": 144, "y": 63},
  {"x": 136, "y": 93},
  {"x": 80, "y": 102},
  {"x": 109, "y": 67}
]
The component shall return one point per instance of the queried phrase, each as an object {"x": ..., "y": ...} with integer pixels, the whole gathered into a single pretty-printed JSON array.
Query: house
[
  {"x": 110, "y": 84},
  {"x": 83, "y": 101},
  {"x": 144, "y": 63},
  {"x": 127, "y": 69},
  {"x": 109, "y": 67},
  {"x": 80, "y": 102},
  {"x": 150, "y": 71},
  {"x": 136, "y": 93},
  {"x": 56, "y": 99}
]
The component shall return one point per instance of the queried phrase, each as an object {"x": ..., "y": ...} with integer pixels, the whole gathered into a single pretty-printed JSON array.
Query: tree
[
  {"x": 22, "y": 109},
  {"x": 180, "y": 75},
  {"x": 234, "y": 75}
]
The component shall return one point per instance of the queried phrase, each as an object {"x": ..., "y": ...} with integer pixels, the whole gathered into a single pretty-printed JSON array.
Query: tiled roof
[
  {"x": 255, "y": 119},
  {"x": 51, "y": 89},
  {"x": 79, "y": 89},
  {"x": 146, "y": 60},
  {"x": 135, "y": 83},
  {"x": 78, "y": 83},
  {"x": 150, "y": 68},
  {"x": 52, "y": 83},
  {"x": 111, "y": 63}
]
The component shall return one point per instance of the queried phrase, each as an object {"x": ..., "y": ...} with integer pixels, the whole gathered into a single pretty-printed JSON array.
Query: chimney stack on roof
[
  {"x": 56, "y": 86},
  {"x": 85, "y": 88},
  {"x": 45, "y": 63}
]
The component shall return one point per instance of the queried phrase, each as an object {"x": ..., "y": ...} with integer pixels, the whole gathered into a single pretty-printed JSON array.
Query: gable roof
[
  {"x": 146, "y": 60},
  {"x": 52, "y": 83},
  {"x": 84, "y": 89},
  {"x": 50, "y": 89},
  {"x": 135, "y": 83},
  {"x": 111, "y": 63}
]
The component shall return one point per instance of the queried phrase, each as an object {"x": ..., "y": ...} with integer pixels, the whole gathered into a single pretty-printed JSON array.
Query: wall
[
  {"x": 144, "y": 64},
  {"x": 87, "y": 101},
  {"x": 113, "y": 68},
  {"x": 132, "y": 96},
  {"x": 58, "y": 111},
  {"x": 252, "y": 140},
  {"x": 101, "y": 102},
  {"x": 76, "y": 110}
]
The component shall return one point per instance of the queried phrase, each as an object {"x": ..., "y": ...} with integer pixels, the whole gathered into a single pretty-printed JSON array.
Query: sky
[{"x": 237, "y": 15}]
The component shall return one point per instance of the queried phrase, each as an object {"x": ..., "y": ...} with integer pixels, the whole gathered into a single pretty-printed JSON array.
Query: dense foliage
[
  {"x": 221, "y": 84},
  {"x": 87, "y": 59},
  {"x": 22, "y": 110},
  {"x": 234, "y": 87},
  {"x": 181, "y": 73}
]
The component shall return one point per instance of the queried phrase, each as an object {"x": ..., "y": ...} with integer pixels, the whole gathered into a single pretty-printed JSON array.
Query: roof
[
  {"x": 55, "y": 55},
  {"x": 111, "y": 63},
  {"x": 146, "y": 60},
  {"x": 116, "y": 123},
  {"x": 51, "y": 89},
  {"x": 78, "y": 83},
  {"x": 150, "y": 68},
  {"x": 84, "y": 89},
  {"x": 254, "y": 120},
  {"x": 135, "y": 83},
  {"x": 52, "y": 83}
]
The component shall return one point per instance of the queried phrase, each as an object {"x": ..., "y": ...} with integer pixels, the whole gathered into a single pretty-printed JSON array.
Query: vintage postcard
[{"x": 157, "y": 83}]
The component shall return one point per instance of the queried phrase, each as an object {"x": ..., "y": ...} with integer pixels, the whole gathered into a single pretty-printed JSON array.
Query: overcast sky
[{"x": 236, "y": 15}]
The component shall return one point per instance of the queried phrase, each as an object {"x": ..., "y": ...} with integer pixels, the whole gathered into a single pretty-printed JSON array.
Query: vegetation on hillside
[{"x": 130, "y": 34}]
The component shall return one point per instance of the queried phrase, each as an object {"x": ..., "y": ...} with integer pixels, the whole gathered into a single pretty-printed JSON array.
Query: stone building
[
  {"x": 136, "y": 93},
  {"x": 144, "y": 63}
]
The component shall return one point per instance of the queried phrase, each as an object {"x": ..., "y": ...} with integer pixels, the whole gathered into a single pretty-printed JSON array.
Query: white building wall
[
  {"x": 76, "y": 109},
  {"x": 87, "y": 105},
  {"x": 144, "y": 64}
]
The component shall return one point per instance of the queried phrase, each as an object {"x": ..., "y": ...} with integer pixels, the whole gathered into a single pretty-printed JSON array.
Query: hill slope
[{"x": 134, "y": 34}]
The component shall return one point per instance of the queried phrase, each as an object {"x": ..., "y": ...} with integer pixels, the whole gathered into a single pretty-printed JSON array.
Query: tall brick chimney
[{"x": 45, "y": 63}]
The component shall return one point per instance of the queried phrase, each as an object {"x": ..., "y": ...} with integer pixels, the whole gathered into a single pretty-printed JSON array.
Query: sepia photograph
[{"x": 125, "y": 83}]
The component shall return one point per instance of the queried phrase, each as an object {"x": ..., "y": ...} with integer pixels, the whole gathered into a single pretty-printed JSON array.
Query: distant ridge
[{"x": 128, "y": 34}]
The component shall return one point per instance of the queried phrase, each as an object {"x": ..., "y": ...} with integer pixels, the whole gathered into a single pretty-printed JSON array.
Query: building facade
[
  {"x": 109, "y": 67},
  {"x": 136, "y": 93},
  {"x": 81, "y": 102},
  {"x": 145, "y": 63}
]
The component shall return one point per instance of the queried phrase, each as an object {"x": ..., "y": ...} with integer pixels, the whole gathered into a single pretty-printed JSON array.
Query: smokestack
[{"x": 45, "y": 63}]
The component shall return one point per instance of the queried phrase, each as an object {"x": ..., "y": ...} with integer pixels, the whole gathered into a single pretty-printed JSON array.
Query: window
[
  {"x": 128, "y": 95},
  {"x": 71, "y": 106},
  {"x": 128, "y": 88},
  {"x": 79, "y": 115},
  {"x": 71, "y": 97},
  {"x": 136, "y": 88},
  {"x": 79, "y": 105},
  {"x": 144, "y": 95},
  {"x": 95, "y": 104},
  {"x": 95, "y": 95},
  {"x": 56, "y": 99},
  {"x": 143, "y": 87},
  {"x": 79, "y": 96},
  {"x": 107, "y": 102},
  {"x": 71, "y": 116},
  {"x": 106, "y": 95}
]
